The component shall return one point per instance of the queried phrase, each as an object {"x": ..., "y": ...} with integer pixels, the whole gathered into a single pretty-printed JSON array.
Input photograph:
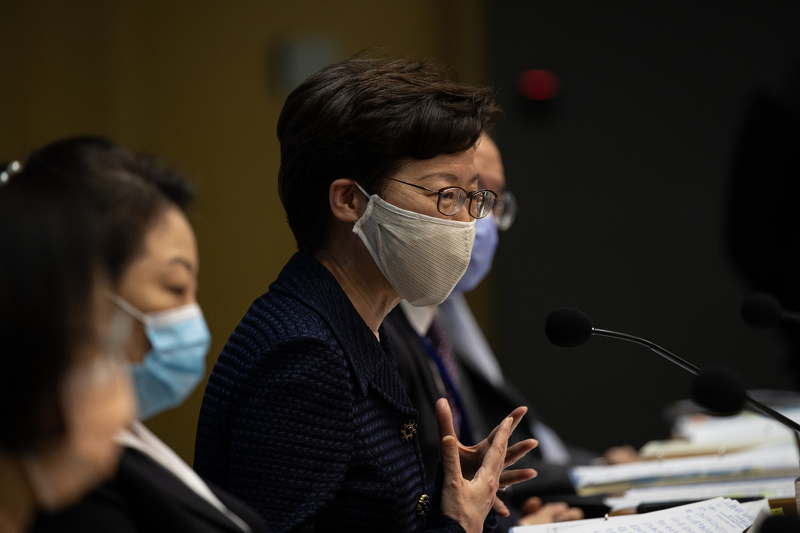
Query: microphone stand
[
  {"x": 797, "y": 481},
  {"x": 752, "y": 404},
  {"x": 749, "y": 402}
]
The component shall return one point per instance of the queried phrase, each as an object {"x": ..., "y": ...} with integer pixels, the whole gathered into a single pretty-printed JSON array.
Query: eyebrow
[
  {"x": 448, "y": 176},
  {"x": 181, "y": 261}
]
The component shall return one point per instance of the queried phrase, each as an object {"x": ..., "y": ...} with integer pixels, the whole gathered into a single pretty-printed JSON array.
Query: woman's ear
[{"x": 348, "y": 203}]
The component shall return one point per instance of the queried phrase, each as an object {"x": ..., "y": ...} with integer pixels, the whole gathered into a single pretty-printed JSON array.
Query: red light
[{"x": 539, "y": 85}]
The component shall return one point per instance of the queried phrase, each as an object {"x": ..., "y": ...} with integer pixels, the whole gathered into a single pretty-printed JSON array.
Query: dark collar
[
  {"x": 151, "y": 496},
  {"x": 308, "y": 281}
]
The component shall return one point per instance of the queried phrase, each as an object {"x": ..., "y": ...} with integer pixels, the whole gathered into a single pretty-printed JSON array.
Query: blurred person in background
[
  {"x": 442, "y": 353},
  {"x": 761, "y": 215},
  {"x": 150, "y": 251},
  {"x": 304, "y": 415},
  {"x": 64, "y": 389}
]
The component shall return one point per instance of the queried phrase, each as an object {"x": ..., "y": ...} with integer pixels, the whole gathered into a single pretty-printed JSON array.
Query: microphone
[
  {"x": 721, "y": 391},
  {"x": 763, "y": 310},
  {"x": 567, "y": 328}
]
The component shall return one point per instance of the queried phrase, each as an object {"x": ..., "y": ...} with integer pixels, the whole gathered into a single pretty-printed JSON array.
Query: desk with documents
[{"x": 744, "y": 457}]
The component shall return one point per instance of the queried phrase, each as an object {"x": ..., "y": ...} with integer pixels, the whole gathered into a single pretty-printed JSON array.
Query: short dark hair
[
  {"x": 49, "y": 257},
  {"x": 125, "y": 190},
  {"x": 364, "y": 118}
]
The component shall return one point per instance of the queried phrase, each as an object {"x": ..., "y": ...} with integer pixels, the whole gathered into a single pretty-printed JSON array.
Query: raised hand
[
  {"x": 468, "y": 501},
  {"x": 472, "y": 458}
]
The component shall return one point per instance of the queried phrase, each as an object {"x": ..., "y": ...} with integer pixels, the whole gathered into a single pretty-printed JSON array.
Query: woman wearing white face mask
[
  {"x": 64, "y": 390},
  {"x": 150, "y": 250},
  {"x": 304, "y": 415}
]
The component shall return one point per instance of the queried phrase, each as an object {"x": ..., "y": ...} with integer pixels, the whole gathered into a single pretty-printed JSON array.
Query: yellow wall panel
[{"x": 191, "y": 82}]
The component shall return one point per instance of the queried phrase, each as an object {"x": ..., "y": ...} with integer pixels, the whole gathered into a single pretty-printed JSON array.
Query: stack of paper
[
  {"x": 719, "y": 515},
  {"x": 745, "y": 426},
  {"x": 780, "y": 461},
  {"x": 752, "y": 488},
  {"x": 696, "y": 434}
]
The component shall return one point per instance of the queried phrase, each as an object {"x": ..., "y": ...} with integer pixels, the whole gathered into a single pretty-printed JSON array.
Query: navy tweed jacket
[{"x": 304, "y": 414}]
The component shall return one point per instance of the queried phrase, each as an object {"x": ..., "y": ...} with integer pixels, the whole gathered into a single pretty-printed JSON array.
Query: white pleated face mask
[{"x": 422, "y": 257}]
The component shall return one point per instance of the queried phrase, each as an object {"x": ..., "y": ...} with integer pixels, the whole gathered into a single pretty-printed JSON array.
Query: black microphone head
[
  {"x": 567, "y": 327},
  {"x": 780, "y": 524},
  {"x": 719, "y": 390},
  {"x": 761, "y": 310}
]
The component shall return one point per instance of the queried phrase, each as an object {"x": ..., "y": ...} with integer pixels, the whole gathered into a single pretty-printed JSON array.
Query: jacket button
[
  {"x": 408, "y": 430},
  {"x": 423, "y": 504}
]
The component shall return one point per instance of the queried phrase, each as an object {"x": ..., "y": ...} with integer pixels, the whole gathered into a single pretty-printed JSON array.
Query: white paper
[
  {"x": 746, "y": 426},
  {"x": 719, "y": 515}
]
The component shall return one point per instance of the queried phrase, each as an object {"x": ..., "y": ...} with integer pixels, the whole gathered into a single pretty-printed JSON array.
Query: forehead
[
  {"x": 171, "y": 239},
  {"x": 457, "y": 166}
]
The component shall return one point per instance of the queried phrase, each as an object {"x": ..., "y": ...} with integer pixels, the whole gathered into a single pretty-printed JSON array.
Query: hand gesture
[
  {"x": 468, "y": 501},
  {"x": 472, "y": 458}
]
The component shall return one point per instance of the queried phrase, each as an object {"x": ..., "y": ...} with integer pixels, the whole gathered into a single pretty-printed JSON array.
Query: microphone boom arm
[
  {"x": 686, "y": 365},
  {"x": 771, "y": 413}
]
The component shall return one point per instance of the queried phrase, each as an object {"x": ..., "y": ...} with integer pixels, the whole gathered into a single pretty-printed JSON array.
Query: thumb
[{"x": 450, "y": 460}]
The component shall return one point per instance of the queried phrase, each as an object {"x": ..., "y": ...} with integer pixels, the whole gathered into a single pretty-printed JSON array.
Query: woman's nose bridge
[{"x": 463, "y": 213}]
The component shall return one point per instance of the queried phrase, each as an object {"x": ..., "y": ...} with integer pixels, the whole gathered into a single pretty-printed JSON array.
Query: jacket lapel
[
  {"x": 308, "y": 281},
  {"x": 151, "y": 480}
]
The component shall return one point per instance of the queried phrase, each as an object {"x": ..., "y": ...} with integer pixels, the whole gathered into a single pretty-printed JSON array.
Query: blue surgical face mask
[
  {"x": 480, "y": 262},
  {"x": 176, "y": 364}
]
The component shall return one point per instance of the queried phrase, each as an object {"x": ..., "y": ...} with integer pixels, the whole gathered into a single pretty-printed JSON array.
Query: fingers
[
  {"x": 546, "y": 515},
  {"x": 531, "y": 505},
  {"x": 573, "y": 513},
  {"x": 500, "y": 507},
  {"x": 518, "y": 451},
  {"x": 551, "y": 512},
  {"x": 494, "y": 459},
  {"x": 510, "y": 477},
  {"x": 450, "y": 461},
  {"x": 444, "y": 419},
  {"x": 560, "y": 512},
  {"x": 621, "y": 454},
  {"x": 516, "y": 415}
]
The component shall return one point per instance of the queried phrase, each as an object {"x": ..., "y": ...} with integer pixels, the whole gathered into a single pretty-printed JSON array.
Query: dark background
[{"x": 622, "y": 183}]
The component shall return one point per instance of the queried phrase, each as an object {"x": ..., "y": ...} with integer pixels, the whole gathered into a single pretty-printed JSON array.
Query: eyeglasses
[
  {"x": 505, "y": 210},
  {"x": 452, "y": 199}
]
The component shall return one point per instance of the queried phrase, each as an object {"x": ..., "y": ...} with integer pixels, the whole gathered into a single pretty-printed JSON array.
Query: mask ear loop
[
  {"x": 367, "y": 212},
  {"x": 120, "y": 332},
  {"x": 360, "y": 188},
  {"x": 128, "y": 308}
]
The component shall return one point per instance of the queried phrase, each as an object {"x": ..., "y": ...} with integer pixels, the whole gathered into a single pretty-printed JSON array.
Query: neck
[
  {"x": 362, "y": 281},
  {"x": 16, "y": 497}
]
